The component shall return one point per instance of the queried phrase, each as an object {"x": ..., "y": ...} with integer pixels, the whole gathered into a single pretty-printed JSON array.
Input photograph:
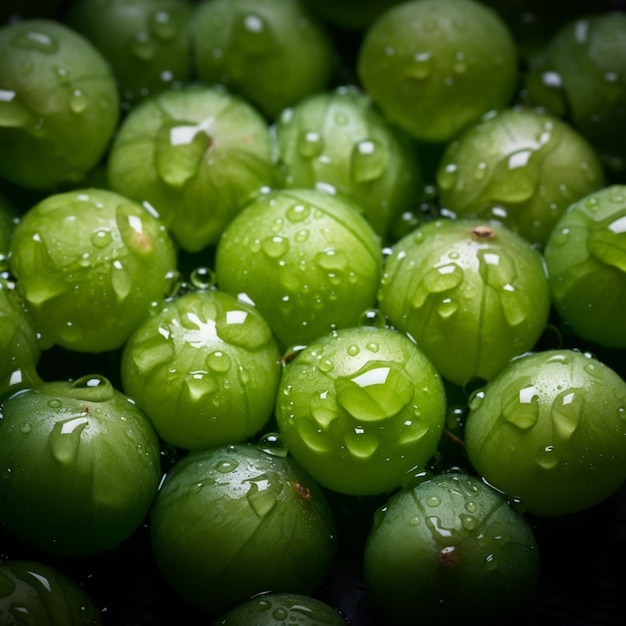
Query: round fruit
[
  {"x": 34, "y": 593},
  {"x": 450, "y": 551},
  {"x": 471, "y": 294},
  {"x": 338, "y": 141},
  {"x": 360, "y": 408},
  {"x": 308, "y": 260},
  {"x": 282, "y": 609},
  {"x": 586, "y": 262},
  {"x": 253, "y": 522},
  {"x": 198, "y": 155},
  {"x": 205, "y": 369},
  {"x": 549, "y": 432},
  {"x": 147, "y": 42},
  {"x": 59, "y": 104},
  {"x": 271, "y": 52},
  {"x": 520, "y": 167},
  {"x": 90, "y": 264},
  {"x": 435, "y": 66},
  {"x": 80, "y": 466}
]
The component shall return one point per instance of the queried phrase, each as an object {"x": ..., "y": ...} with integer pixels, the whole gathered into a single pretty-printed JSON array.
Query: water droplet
[
  {"x": 375, "y": 392},
  {"x": 361, "y": 442},
  {"x": 313, "y": 437},
  {"x": 433, "y": 501},
  {"x": 78, "y": 101},
  {"x": 520, "y": 404},
  {"x": 310, "y": 144},
  {"x": 471, "y": 506},
  {"x": 226, "y": 466},
  {"x": 469, "y": 522},
  {"x": 101, "y": 237},
  {"x": 202, "y": 278},
  {"x": 421, "y": 67},
  {"x": 252, "y": 34},
  {"x": 566, "y": 412},
  {"x": 443, "y": 278},
  {"x": 331, "y": 259},
  {"x": 273, "y": 443},
  {"x": 324, "y": 408},
  {"x": 13, "y": 113},
  {"x": 219, "y": 361},
  {"x": 261, "y": 495},
  {"x": 162, "y": 25},
  {"x": 298, "y": 213},
  {"x": 490, "y": 563},
  {"x": 446, "y": 308},
  {"x": 369, "y": 160},
  {"x": 280, "y": 614},
  {"x": 55, "y": 403},
  {"x": 459, "y": 64},
  {"x": 143, "y": 47},
  {"x": 447, "y": 176},
  {"x": 64, "y": 440},
  {"x": 325, "y": 366},
  {"x": 32, "y": 39},
  {"x": 547, "y": 458},
  {"x": 275, "y": 247}
]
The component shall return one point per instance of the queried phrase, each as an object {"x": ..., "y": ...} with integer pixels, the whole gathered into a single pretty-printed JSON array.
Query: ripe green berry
[
  {"x": 549, "y": 432},
  {"x": 360, "y": 408}
]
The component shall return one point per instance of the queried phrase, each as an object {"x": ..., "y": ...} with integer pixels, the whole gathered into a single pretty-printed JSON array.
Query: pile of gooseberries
[{"x": 311, "y": 312}]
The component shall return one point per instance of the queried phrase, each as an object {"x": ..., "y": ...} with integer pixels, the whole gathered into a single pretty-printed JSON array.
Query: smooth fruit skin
[
  {"x": 233, "y": 521},
  {"x": 80, "y": 466},
  {"x": 338, "y": 140},
  {"x": 586, "y": 262},
  {"x": 549, "y": 432},
  {"x": 271, "y": 52},
  {"x": 205, "y": 369},
  {"x": 450, "y": 551},
  {"x": 90, "y": 264},
  {"x": 360, "y": 409},
  {"x": 471, "y": 294},
  {"x": 282, "y": 609},
  {"x": 37, "y": 594},
  {"x": 307, "y": 259},
  {"x": 520, "y": 167},
  {"x": 198, "y": 155},
  {"x": 60, "y": 104},
  {"x": 435, "y": 66}
]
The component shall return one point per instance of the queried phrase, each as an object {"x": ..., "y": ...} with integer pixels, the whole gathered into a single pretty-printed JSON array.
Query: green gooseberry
[
  {"x": 338, "y": 140},
  {"x": 471, "y": 294},
  {"x": 273, "y": 53},
  {"x": 282, "y": 609},
  {"x": 33, "y": 593},
  {"x": 19, "y": 345},
  {"x": 308, "y": 260},
  {"x": 59, "y": 104},
  {"x": 198, "y": 155},
  {"x": 80, "y": 466},
  {"x": 90, "y": 264},
  {"x": 548, "y": 431},
  {"x": 360, "y": 409},
  {"x": 521, "y": 167},
  {"x": 436, "y": 66},
  {"x": 450, "y": 551},
  {"x": 205, "y": 369},
  {"x": 253, "y": 522},
  {"x": 581, "y": 76},
  {"x": 586, "y": 262},
  {"x": 147, "y": 42}
]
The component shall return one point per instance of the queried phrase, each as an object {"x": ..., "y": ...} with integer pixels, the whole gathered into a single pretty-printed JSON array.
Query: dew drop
[
  {"x": 218, "y": 361},
  {"x": 260, "y": 496},
  {"x": 78, "y": 101},
  {"x": 252, "y": 34},
  {"x": 369, "y": 161},
  {"x": 226, "y": 466},
  {"x": 162, "y": 26},
  {"x": 55, "y": 403},
  {"x": 433, "y": 501},
  {"x": 64, "y": 440},
  {"x": 202, "y": 278},
  {"x": 361, "y": 443},
  {"x": 421, "y": 67},
  {"x": 121, "y": 281},
  {"x": 35, "y": 40},
  {"x": 447, "y": 176},
  {"x": 443, "y": 278},
  {"x": 310, "y": 144},
  {"x": 275, "y": 247},
  {"x": 331, "y": 260},
  {"x": 446, "y": 308},
  {"x": 101, "y": 237},
  {"x": 547, "y": 458},
  {"x": 520, "y": 405},
  {"x": 143, "y": 47},
  {"x": 273, "y": 444},
  {"x": 298, "y": 213},
  {"x": 280, "y": 614}
]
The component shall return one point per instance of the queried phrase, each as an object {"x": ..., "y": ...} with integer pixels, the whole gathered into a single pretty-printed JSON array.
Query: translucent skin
[
  {"x": 205, "y": 369},
  {"x": 472, "y": 294},
  {"x": 452, "y": 551},
  {"x": 42, "y": 594},
  {"x": 308, "y": 260},
  {"x": 435, "y": 66},
  {"x": 60, "y": 104},
  {"x": 89, "y": 291},
  {"x": 580, "y": 76},
  {"x": 338, "y": 140},
  {"x": 549, "y": 432},
  {"x": 282, "y": 609},
  {"x": 252, "y": 520},
  {"x": 147, "y": 42},
  {"x": 360, "y": 408},
  {"x": 198, "y": 155},
  {"x": 271, "y": 52},
  {"x": 82, "y": 465},
  {"x": 522, "y": 168},
  {"x": 586, "y": 262}
]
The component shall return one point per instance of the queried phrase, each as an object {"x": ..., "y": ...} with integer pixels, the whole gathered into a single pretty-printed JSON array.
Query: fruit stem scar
[
  {"x": 448, "y": 557},
  {"x": 302, "y": 490},
  {"x": 483, "y": 232}
]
